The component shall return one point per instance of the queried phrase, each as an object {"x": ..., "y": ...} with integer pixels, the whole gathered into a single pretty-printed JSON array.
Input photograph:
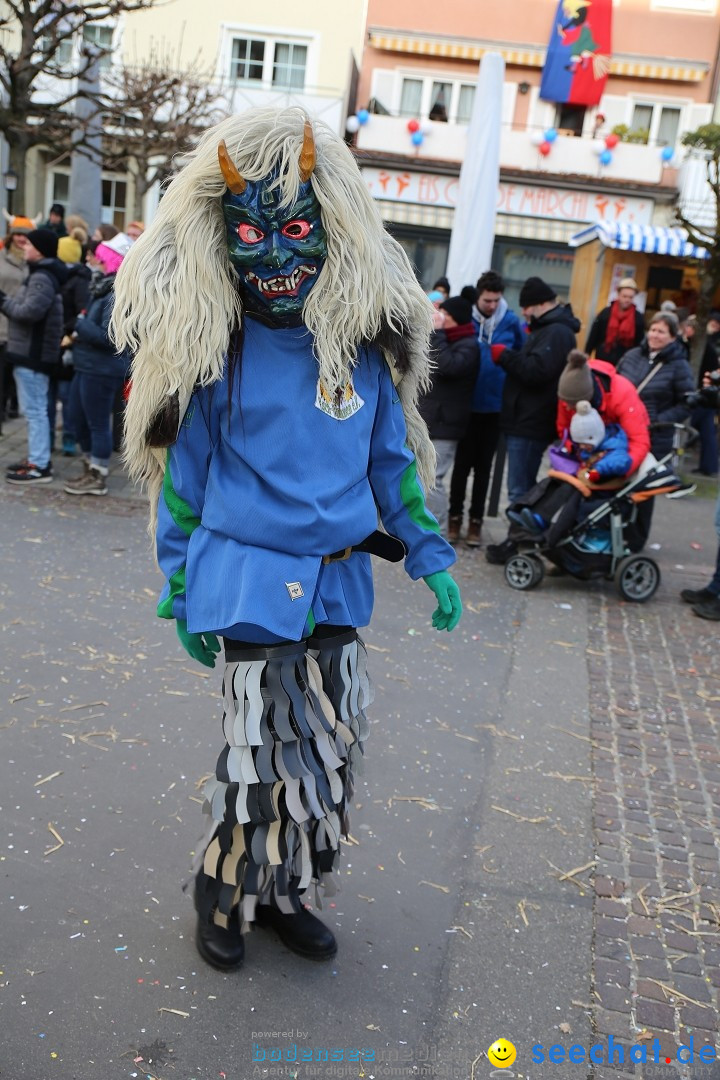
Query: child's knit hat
[{"x": 586, "y": 425}]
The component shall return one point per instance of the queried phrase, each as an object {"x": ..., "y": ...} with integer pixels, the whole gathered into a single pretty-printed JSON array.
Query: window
[
  {"x": 410, "y": 97},
  {"x": 289, "y": 66},
  {"x": 62, "y": 57},
  {"x": 60, "y": 187},
  {"x": 466, "y": 98},
  {"x": 440, "y": 101},
  {"x": 247, "y": 60},
  {"x": 641, "y": 122},
  {"x": 668, "y": 127},
  {"x": 102, "y": 37},
  {"x": 114, "y": 201},
  {"x": 570, "y": 119}
]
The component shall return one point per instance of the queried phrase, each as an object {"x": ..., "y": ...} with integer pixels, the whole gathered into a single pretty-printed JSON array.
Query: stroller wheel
[
  {"x": 524, "y": 571},
  {"x": 637, "y": 577}
]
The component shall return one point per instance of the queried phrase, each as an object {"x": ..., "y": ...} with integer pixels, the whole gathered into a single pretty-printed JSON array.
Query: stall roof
[{"x": 654, "y": 239}]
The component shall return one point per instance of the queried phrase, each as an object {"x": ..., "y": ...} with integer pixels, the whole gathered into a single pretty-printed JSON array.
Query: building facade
[
  {"x": 306, "y": 54},
  {"x": 420, "y": 66}
]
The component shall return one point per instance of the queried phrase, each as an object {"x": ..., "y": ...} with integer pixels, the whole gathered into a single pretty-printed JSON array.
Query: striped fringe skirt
[{"x": 294, "y": 724}]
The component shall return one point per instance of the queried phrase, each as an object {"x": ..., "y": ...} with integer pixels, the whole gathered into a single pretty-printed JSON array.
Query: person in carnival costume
[{"x": 280, "y": 344}]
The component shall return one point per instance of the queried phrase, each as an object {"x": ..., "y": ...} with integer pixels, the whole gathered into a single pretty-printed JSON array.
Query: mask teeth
[{"x": 283, "y": 283}]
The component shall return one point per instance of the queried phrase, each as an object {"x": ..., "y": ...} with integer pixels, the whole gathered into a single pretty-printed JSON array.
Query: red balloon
[
  {"x": 545, "y": 148},
  {"x": 611, "y": 141},
  {"x": 413, "y": 126}
]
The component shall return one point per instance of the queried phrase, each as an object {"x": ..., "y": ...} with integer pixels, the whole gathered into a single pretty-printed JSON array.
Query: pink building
[{"x": 421, "y": 62}]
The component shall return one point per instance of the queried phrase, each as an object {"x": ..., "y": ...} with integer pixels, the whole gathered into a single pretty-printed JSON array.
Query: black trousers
[{"x": 475, "y": 453}]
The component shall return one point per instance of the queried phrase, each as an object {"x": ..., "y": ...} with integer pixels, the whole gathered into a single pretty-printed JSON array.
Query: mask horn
[
  {"x": 307, "y": 154},
  {"x": 233, "y": 179}
]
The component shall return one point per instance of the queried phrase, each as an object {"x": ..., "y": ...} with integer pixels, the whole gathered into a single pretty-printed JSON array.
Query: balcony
[{"x": 569, "y": 156}]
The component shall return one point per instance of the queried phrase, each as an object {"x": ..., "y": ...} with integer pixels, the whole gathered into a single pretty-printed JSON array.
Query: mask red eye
[
  {"x": 297, "y": 230},
  {"x": 250, "y": 234}
]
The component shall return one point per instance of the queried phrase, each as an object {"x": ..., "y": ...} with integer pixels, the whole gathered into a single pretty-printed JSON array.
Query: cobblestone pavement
[{"x": 655, "y": 712}]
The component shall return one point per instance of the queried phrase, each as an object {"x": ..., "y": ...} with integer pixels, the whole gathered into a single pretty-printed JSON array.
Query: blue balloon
[
  {"x": 417, "y": 138},
  {"x": 363, "y": 116},
  {"x": 550, "y": 135},
  {"x": 605, "y": 157},
  {"x": 667, "y": 153}
]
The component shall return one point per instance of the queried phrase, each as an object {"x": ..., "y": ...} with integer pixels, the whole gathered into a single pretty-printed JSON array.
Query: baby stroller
[{"x": 597, "y": 545}]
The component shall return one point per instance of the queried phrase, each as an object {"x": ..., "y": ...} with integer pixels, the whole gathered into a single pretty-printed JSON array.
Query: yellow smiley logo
[{"x": 502, "y": 1053}]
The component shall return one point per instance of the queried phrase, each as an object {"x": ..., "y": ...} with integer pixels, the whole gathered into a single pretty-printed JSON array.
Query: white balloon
[
  {"x": 352, "y": 124},
  {"x": 426, "y": 128},
  {"x": 537, "y": 138},
  {"x": 598, "y": 146}
]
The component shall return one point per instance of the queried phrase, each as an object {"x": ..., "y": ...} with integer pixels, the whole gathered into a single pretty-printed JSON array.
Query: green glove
[
  {"x": 202, "y": 647},
  {"x": 447, "y": 615}
]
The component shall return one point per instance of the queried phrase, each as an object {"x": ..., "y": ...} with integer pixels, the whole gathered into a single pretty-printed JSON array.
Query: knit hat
[
  {"x": 69, "y": 249},
  {"x": 714, "y": 316},
  {"x": 586, "y": 425},
  {"x": 576, "y": 382},
  {"x": 459, "y": 308},
  {"x": 112, "y": 252},
  {"x": 536, "y": 291},
  {"x": 45, "y": 241},
  {"x": 628, "y": 283}
]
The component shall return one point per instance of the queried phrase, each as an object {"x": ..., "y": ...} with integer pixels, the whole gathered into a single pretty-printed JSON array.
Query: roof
[{"x": 655, "y": 239}]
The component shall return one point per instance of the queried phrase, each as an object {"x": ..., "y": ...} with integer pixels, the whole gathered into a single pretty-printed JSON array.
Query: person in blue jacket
[
  {"x": 496, "y": 324},
  {"x": 280, "y": 344}
]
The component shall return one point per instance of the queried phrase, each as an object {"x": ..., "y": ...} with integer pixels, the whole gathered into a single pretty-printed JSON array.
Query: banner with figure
[{"x": 578, "y": 56}]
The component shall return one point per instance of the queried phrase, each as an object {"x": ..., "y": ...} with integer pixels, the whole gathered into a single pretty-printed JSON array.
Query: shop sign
[{"x": 523, "y": 200}]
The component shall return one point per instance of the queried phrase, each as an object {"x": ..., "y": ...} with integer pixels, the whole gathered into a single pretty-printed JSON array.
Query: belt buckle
[{"x": 337, "y": 556}]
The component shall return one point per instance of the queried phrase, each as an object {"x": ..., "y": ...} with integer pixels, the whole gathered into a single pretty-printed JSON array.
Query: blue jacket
[
  {"x": 505, "y": 330},
  {"x": 93, "y": 351},
  {"x": 615, "y": 459},
  {"x": 258, "y": 489}
]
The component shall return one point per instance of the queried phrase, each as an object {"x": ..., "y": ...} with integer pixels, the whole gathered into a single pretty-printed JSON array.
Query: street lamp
[{"x": 10, "y": 179}]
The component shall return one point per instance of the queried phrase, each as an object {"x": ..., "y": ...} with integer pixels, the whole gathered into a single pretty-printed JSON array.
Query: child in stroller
[{"x": 579, "y": 515}]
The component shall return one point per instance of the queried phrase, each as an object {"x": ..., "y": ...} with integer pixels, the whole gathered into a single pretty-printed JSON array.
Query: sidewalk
[{"x": 13, "y": 447}]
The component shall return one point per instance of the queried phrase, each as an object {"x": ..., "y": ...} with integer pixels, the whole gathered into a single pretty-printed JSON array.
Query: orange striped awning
[{"x": 437, "y": 46}]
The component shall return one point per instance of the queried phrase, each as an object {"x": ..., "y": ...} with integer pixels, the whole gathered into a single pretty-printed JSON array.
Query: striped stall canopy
[{"x": 654, "y": 239}]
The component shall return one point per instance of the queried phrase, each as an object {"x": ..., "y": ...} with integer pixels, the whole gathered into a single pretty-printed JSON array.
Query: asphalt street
[{"x": 455, "y": 925}]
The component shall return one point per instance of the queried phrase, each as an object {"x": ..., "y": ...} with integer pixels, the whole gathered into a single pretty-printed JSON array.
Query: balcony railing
[{"x": 568, "y": 156}]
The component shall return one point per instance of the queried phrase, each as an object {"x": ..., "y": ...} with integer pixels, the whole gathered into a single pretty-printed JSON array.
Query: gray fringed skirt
[{"x": 294, "y": 721}]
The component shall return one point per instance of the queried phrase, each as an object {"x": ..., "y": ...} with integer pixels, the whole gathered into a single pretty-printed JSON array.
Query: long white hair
[{"x": 177, "y": 301}]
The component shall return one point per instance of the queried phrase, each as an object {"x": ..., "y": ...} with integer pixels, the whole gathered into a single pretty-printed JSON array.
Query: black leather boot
[
  {"x": 224, "y": 949},
  {"x": 301, "y": 932}
]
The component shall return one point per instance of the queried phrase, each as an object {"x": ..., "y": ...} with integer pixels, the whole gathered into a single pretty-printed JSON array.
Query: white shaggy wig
[{"x": 177, "y": 301}]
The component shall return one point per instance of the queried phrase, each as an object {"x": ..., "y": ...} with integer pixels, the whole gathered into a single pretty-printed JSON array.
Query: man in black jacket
[
  {"x": 35, "y": 322},
  {"x": 446, "y": 407},
  {"x": 529, "y": 402}
]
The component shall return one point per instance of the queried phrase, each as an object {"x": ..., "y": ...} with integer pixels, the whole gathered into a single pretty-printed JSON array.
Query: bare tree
[
  {"x": 152, "y": 113},
  {"x": 37, "y": 86}
]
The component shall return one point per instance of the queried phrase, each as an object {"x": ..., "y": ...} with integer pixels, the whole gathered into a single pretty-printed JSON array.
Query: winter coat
[
  {"x": 611, "y": 457},
  {"x": 503, "y": 329},
  {"x": 446, "y": 407},
  {"x": 35, "y": 317},
  {"x": 598, "y": 332},
  {"x": 75, "y": 294},
  {"x": 664, "y": 395},
  {"x": 13, "y": 274},
  {"x": 529, "y": 401},
  {"x": 618, "y": 402},
  {"x": 93, "y": 351}
]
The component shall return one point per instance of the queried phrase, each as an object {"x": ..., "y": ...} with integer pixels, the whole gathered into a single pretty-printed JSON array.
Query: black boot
[
  {"x": 301, "y": 932},
  {"x": 224, "y": 949}
]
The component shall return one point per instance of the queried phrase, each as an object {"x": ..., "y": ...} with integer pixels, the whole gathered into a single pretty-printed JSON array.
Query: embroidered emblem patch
[
  {"x": 341, "y": 405},
  {"x": 295, "y": 589}
]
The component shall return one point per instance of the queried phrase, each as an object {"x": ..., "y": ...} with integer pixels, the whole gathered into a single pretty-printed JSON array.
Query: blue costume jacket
[{"x": 261, "y": 489}]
